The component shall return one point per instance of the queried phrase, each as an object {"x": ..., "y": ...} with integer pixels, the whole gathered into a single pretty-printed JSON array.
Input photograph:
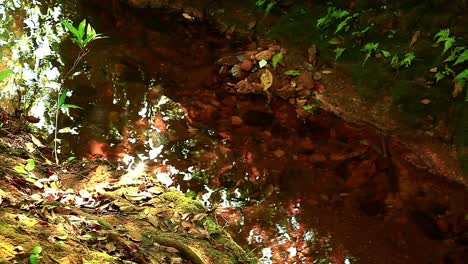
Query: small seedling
[
  {"x": 408, "y": 59},
  {"x": 34, "y": 257},
  {"x": 277, "y": 58},
  {"x": 338, "y": 53},
  {"x": 293, "y": 72},
  {"x": 370, "y": 48},
  {"x": 82, "y": 35},
  {"x": 444, "y": 36},
  {"x": 268, "y": 3}
]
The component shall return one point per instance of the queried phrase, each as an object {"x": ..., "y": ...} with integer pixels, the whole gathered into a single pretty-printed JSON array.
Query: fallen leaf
[
  {"x": 327, "y": 72},
  {"x": 425, "y": 101},
  {"x": 262, "y": 63},
  {"x": 415, "y": 37},
  {"x": 433, "y": 70},
  {"x": 36, "y": 141},
  {"x": 266, "y": 79},
  {"x": 457, "y": 89}
]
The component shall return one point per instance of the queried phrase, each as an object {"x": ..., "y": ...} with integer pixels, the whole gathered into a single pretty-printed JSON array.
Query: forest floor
[{"x": 88, "y": 212}]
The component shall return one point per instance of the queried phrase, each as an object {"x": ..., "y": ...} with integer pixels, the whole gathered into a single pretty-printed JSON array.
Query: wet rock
[
  {"x": 264, "y": 55},
  {"x": 279, "y": 153},
  {"x": 427, "y": 224},
  {"x": 246, "y": 65},
  {"x": 285, "y": 92},
  {"x": 258, "y": 118},
  {"x": 360, "y": 173},
  {"x": 236, "y": 120},
  {"x": 306, "y": 79},
  {"x": 317, "y": 158}
]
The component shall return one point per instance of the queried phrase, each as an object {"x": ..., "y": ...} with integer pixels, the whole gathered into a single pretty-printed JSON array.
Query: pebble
[
  {"x": 246, "y": 65},
  {"x": 236, "y": 120},
  {"x": 279, "y": 153}
]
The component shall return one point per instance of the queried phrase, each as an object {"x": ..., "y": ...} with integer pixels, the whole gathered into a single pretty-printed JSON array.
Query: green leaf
[
  {"x": 292, "y": 72},
  {"x": 309, "y": 107},
  {"x": 462, "y": 58},
  {"x": 70, "y": 28},
  {"x": 408, "y": 59},
  {"x": 31, "y": 164},
  {"x": 395, "y": 62},
  {"x": 442, "y": 35},
  {"x": 439, "y": 76},
  {"x": 277, "y": 58},
  {"x": 461, "y": 78},
  {"x": 269, "y": 7},
  {"x": 321, "y": 22},
  {"x": 338, "y": 53},
  {"x": 335, "y": 41},
  {"x": 370, "y": 47},
  {"x": 70, "y": 106},
  {"x": 21, "y": 170},
  {"x": 34, "y": 259},
  {"x": 81, "y": 29},
  {"x": 454, "y": 54},
  {"x": 342, "y": 24},
  {"x": 37, "y": 250},
  {"x": 62, "y": 98},
  {"x": 449, "y": 42},
  {"x": 385, "y": 53},
  {"x": 4, "y": 74},
  {"x": 260, "y": 3}
]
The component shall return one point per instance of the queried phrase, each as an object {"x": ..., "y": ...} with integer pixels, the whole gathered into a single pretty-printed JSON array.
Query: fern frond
[
  {"x": 442, "y": 35},
  {"x": 462, "y": 58}
]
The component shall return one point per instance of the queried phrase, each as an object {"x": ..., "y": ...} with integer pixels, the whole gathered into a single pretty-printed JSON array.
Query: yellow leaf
[{"x": 266, "y": 79}]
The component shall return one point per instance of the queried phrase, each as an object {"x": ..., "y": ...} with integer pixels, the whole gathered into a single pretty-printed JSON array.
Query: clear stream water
[{"x": 152, "y": 97}]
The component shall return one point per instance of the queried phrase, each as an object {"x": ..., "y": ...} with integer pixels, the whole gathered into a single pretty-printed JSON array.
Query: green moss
[
  {"x": 99, "y": 257},
  {"x": 211, "y": 226},
  {"x": 183, "y": 203}
]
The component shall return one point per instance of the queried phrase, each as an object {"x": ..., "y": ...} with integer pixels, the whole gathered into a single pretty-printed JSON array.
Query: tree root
[{"x": 184, "y": 250}]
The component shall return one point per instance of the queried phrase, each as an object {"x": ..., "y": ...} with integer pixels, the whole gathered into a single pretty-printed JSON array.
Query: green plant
[
  {"x": 444, "y": 36},
  {"x": 27, "y": 168},
  {"x": 81, "y": 36},
  {"x": 34, "y": 257},
  {"x": 395, "y": 62},
  {"x": 277, "y": 58},
  {"x": 338, "y": 53},
  {"x": 292, "y": 72},
  {"x": 332, "y": 15},
  {"x": 370, "y": 49},
  {"x": 408, "y": 59},
  {"x": 268, "y": 4},
  {"x": 4, "y": 74},
  {"x": 445, "y": 72}
]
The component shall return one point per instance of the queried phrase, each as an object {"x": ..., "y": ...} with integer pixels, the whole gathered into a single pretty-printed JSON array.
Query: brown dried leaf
[{"x": 457, "y": 89}]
